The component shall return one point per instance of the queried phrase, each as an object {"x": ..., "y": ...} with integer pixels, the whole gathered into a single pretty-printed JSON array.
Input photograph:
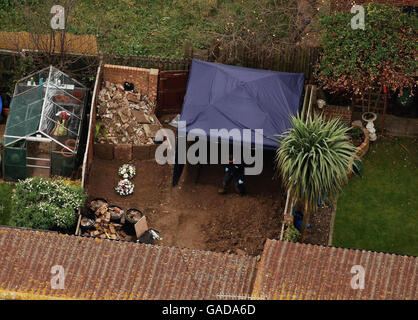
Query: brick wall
[
  {"x": 145, "y": 80},
  {"x": 125, "y": 152},
  {"x": 343, "y": 113}
]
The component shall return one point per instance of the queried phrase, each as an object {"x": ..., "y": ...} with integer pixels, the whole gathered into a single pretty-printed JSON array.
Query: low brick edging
[
  {"x": 364, "y": 147},
  {"x": 361, "y": 149},
  {"x": 125, "y": 152}
]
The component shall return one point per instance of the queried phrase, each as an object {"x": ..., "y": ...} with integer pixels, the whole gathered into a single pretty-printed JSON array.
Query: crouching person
[{"x": 234, "y": 173}]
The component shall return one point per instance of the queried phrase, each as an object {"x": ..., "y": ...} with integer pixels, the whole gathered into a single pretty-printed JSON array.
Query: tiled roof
[
  {"x": 105, "y": 269},
  {"x": 301, "y": 271}
]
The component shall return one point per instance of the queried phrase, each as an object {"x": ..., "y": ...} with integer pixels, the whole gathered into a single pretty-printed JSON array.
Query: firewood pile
[{"x": 127, "y": 116}]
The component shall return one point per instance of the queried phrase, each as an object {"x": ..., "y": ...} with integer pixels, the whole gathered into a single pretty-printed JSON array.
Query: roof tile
[
  {"x": 105, "y": 269},
  {"x": 303, "y": 271}
]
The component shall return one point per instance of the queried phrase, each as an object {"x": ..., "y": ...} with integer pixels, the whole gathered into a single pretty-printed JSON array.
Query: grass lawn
[
  {"x": 380, "y": 211},
  {"x": 5, "y": 202},
  {"x": 135, "y": 27}
]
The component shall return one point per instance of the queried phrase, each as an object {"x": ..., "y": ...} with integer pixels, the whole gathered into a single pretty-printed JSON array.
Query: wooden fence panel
[{"x": 171, "y": 90}]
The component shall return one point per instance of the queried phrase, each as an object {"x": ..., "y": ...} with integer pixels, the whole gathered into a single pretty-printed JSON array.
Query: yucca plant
[{"x": 313, "y": 159}]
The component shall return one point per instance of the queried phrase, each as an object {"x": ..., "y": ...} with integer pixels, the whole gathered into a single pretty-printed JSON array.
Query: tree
[
  {"x": 356, "y": 60},
  {"x": 44, "y": 45},
  {"x": 313, "y": 160},
  {"x": 257, "y": 30}
]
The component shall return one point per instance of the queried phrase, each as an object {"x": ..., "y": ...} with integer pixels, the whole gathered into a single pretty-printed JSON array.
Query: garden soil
[{"x": 193, "y": 214}]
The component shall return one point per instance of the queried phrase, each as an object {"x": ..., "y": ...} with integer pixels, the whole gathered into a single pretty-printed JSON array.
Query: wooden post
[
  {"x": 385, "y": 102},
  {"x": 305, "y": 221},
  {"x": 188, "y": 50}
]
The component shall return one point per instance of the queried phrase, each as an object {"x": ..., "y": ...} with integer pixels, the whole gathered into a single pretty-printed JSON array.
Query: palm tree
[{"x": 313, "y": 159}]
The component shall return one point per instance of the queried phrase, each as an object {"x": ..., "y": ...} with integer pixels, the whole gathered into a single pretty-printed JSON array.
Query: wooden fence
[
  {"x": 291, "y": 59},
  {"x": 295, "y": 59}
]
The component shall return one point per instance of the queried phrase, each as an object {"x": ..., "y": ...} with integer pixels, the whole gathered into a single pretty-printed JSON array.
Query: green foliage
[
  {"x": 291, "y": 233},
  {"x": 313, "y": 158},
  {"x": 142, "y": 27},
  {"x": 23, "y": 67},
  {"x": 100, "y": 130},
  {"x": 384, "y": 53},
  {"x": 45, "y": 204},
  {"x": 6, "y": 190},
  {"x": 356, "y": 132}
]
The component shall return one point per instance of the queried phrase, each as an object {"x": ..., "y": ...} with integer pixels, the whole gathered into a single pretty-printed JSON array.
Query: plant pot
[
  {"x": 116, "y": 213},
  {"x": 59, "y": 98},
  {"x": 70, "y": 143},
  {"x": 87, "y": 223},
  {"x": 133, "y": 215},
  {"x": 96, "y": 204},
  {"x": 5, "y": 112},
  {"x": 78, "y": 94}
]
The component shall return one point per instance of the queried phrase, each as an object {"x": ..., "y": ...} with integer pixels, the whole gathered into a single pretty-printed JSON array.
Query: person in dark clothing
[{"x": 233, "y": 172}]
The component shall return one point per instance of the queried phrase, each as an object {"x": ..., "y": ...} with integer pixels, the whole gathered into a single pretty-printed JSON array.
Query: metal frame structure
[{"x": 29, "y": 121}]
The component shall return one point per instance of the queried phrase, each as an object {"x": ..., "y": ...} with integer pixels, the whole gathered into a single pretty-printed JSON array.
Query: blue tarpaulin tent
[
  {"x": 230, "y": 97},
  {"x": 222, "y": 96}
]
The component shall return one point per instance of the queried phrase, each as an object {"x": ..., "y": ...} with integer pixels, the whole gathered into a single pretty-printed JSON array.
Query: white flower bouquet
[
  {"x": 125, "y": 187},
  {"x": 127, "y": 171}
]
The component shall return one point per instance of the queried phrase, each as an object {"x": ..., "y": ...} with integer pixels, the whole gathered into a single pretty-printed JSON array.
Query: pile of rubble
[
  {"x": 127, "y": 116},
  {"x": 106, "y": 222}
]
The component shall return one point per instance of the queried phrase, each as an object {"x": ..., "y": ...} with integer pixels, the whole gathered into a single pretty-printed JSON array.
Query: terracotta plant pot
[
  {"x": 133, "y": 215},
  {"x": 96, "y": 204},
  {"x": 70, "y": 143},
  {"x": 59, "y": 97},
  {"x": 67, "y": 99},
  {"x": 78, "y": 95}
]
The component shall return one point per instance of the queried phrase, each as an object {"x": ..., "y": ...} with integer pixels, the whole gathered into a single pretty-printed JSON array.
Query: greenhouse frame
[{"x": 44, "y": 126}]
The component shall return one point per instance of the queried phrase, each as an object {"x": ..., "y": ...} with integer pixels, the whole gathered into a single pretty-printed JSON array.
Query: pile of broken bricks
[
  {"x": 127, "y": 116},
  {"x": 114, "y": 223},
  {"x": 105, "y": 228}
]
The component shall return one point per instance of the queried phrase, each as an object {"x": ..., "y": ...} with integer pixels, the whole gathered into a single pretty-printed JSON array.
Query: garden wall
[
  {"x": 144, "y": 79},
  {"x": 125, "y": 152}
]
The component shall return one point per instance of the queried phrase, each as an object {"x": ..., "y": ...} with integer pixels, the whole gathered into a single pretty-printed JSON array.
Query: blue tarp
[{"x": 227, "y": 97}]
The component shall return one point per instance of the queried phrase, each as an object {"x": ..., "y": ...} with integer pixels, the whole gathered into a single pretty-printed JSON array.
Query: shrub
[
  {"x": 313, "y": 159},
  {"x": 356, "y": 132},
  {"x": 291, "y": 233},
  {"x": 383, "y": 54},
  {"x": 46, "y": 204}
]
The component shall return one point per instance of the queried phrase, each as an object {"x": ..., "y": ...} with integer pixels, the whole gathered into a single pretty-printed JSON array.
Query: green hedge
[
  {"x": 46, "y": 204},
  {"x": 356, "y": 60}
]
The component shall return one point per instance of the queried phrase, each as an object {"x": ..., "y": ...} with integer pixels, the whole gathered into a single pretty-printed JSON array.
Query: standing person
[{"x": 233, "y": 172}]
